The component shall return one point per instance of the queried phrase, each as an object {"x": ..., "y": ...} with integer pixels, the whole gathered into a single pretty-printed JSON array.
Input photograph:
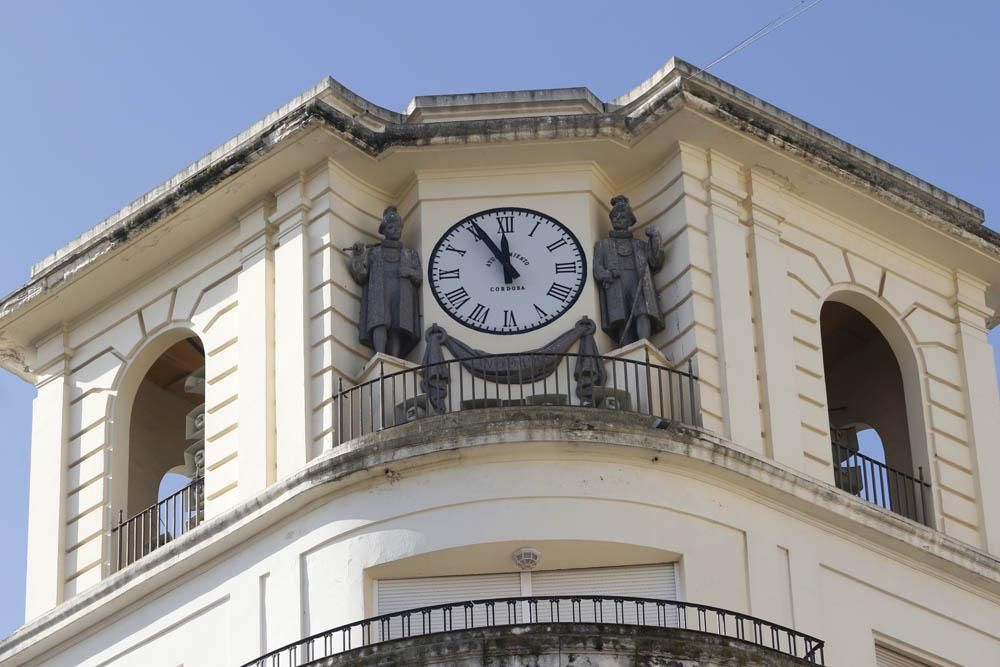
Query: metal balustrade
[
  {"x": 665, "y": 395},
  {"x": 498, "y": 612},
  {"x": 510, "y": 380},
  {"x": 881, "y": 485},
  {"x": 158, "y": 524}
]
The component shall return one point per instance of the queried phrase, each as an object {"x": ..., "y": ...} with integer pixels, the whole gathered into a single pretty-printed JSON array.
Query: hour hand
[{"x": 495, "y": 250}]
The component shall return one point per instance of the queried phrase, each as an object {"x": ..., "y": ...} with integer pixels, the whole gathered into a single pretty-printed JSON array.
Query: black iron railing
[
  {"x": 600, "y": 609},
  {"x": 513, "y": 380},
  {"x": 881, "y": 485},
  {"x": 157, "y": 525}
]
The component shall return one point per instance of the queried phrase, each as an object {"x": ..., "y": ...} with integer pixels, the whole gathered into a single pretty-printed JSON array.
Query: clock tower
[{"x": 521, "y": 378}]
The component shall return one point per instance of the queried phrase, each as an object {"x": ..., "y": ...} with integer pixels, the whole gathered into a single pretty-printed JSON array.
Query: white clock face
[{"x": 507, "y": 270}]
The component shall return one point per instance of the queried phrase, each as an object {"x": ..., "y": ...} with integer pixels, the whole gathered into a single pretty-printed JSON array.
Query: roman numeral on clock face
[
  {"x": 505, "y": 224},
  {"x": 559, "y": 291},
  {"x": 556, "y": 244},
  {"x": 480, "y": 313},
  {"x": 565, "y": 267},
  {"x": 508, "y": 319},
  {"x": 457, "y": 297},
  {"x": 451, "y": 274},
  {"x": 541, "y": 313},
  {"x": 451, "y": 248}
]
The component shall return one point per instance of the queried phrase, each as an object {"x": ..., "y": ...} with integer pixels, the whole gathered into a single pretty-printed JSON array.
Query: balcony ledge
[
  {"x": 556, "y": 644},
  {"x": 465, "y": 434}
]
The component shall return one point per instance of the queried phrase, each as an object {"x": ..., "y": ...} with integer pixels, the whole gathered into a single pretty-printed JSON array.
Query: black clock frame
[{"x": 521, "y": 209}]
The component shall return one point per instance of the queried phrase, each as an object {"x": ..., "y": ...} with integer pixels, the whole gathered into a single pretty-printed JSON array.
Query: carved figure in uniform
[
  {"x": 390, "y": 275},
  {"x": 624, "y": 268}
]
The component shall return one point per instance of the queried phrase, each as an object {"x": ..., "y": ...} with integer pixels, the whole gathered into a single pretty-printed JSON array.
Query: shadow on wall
[
  {"x": 864, "y": 385},
  {"x": 159, "y": 426},
  {"x": 875, "y": 427}
]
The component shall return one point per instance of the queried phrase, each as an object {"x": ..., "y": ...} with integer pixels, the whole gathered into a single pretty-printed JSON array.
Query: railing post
[
  {"x": 381, "y": 396},
  {"x": 680, "y": 391},
  {"x": 923, "y": 505},
  {"x": 649, "y": 386},
  {"x": 340, "y": 410},
  {"x": 692, "y": 389},
  {"x": 198, "y": 509},
  {"x": 118, "y": 555}
]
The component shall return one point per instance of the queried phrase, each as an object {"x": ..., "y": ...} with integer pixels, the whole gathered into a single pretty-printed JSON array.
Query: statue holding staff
[
  {"x": 390, "y": 276},
  {"x": 624, "y": 268}
]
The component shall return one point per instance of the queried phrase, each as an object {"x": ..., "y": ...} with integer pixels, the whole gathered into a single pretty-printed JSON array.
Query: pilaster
[
  {"x": 45, "y": 574},
  {"x": 291, "y": 329},
  {"x": 728, "y": 240},
  {"x": 255, "y": 285},
  {"x": 768, "y": 582},
  {"x": 247, "y": 620},
  {"x": 776, "y": 352},
  {"x": 805, "y": 574},
  {"x": 285, "y": 609},
  {"x": 982, "y": 401}
]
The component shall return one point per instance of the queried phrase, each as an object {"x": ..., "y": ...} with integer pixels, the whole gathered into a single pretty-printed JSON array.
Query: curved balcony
[
  {"x": 635, "y": 385},
  {"x": 615, "y": 628}
]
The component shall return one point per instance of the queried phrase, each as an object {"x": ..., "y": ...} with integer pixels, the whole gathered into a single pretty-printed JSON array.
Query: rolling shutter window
[
  {"x": 640, "y": 581},
  {"x": 886, "y": 657},
  {"x": 402, "y": 594}
]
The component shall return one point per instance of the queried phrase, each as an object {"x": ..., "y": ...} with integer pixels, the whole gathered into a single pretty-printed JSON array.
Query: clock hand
[
  {"x": 508, "y": 270},
  {"x": 495, "y": 250}
]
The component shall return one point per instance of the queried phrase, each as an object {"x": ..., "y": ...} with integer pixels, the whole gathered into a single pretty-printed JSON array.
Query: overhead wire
[{"x": 762, "y": 32}]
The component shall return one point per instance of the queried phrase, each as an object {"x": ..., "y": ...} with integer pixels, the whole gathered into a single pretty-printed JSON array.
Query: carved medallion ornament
[{"x": 519, "y": 368}]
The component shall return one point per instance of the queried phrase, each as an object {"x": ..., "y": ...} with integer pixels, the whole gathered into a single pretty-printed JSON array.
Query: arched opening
[
  {"x": 160, "y": 448},
  {"x": 159, "y": 428},
  {"x": 874, "y": 453}
]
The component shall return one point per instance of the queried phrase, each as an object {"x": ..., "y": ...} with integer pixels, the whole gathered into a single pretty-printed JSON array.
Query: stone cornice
[
  {"x": 627, "y": 120},
  {"x": 456, "y": 439}
]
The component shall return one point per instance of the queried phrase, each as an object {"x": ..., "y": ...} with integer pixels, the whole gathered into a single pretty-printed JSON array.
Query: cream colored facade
[{"x": 764, "y": 219}]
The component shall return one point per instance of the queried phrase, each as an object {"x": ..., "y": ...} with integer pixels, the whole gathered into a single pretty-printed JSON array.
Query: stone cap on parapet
[
  {"x": 526, "y": 115},
  {"x": 507, "y": 104}
]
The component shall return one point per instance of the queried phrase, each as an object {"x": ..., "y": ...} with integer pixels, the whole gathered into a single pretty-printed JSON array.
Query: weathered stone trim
[
  {"x": 626, "y": 123},
  {"x": 463, "y": 434}
]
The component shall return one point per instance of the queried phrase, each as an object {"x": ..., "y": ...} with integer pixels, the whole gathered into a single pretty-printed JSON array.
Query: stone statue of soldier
[
  {"x": 624, "y": 268},
  {"x": 390, "y": 275}
]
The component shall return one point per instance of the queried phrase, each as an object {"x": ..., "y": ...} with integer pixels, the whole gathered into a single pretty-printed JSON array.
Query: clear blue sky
[{"x": 103, "y": 101}]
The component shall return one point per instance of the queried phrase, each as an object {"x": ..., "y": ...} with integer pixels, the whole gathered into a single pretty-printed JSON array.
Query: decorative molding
[
  {"x": 696, "y": 453},
  {"x": 526, "y": 558}
]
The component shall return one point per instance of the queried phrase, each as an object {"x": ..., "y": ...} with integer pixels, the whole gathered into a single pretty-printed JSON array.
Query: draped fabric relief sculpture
[
  {"x": 390, "y": 275},
  {"x": 515, "y": 368},
  {"x": 624, "y": 268}
]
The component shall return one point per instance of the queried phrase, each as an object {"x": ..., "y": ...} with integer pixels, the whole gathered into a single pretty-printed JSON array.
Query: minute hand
[
  {"x": 504, "y": 262},
  {"x": 508, "y": 269}
]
